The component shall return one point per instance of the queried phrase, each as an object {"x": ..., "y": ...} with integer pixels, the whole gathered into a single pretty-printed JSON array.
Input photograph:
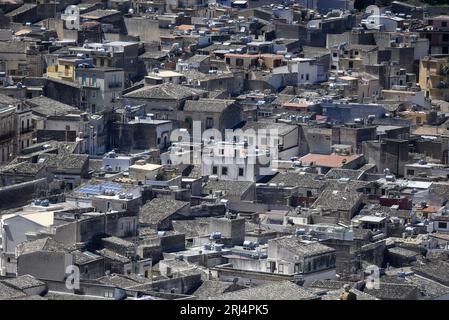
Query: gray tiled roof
[
  {"x": 118, "y": 241},
  {"x": 302, "y": 249},
  {"x": 328, "y": 284},
  {"x": 153, "y": 55},
  {"x": 284, "y": 290},
  {"x": 402, "y": 252},
  {"x": 49, "y": 107},
  {"x": 440, "y": 189},
  {"x": 283, "y": 98},
  {"x": 337, "y": 199},
  {"x": 211, "y": 288},
  {"x": 112, "y": 255},
  {"x": 373, "y": 209},
  {"x": 7, "y": 100},
  {"x": 392, "y": 291},
  {"x": 336, "y": 173},
  {"x": 65, "y": 161},
  {"x": 427, "y": 288},
  {"x": 25, "y": 168},
  {"x": 192, "y": 228},
  {"x": 159, "y": 209},
  {"x": 193, "y": 74},
  {"x": 219, "y": 46},
  {"x": 44, "y": 244},
  {"x": 197, "y": 58},
  {"x": 81, "y": 258},
  {"x": 335, "y": 295},
  {"x": 99, "y": 13},
  {"x": 8, "y": 292},
  {"x": 52, "y": 295},
  {"x": 234, "y": 187},
  {"x": 166, "y": 91},
  {"x": 24, "y": 282},
  {"x": 33, "y": 297},
  {"x": 435, "y": 270},
  {"x": 207, "y": 105},
  {"x": 299, "y": 179},
  {"x": 120, "y": 281}
]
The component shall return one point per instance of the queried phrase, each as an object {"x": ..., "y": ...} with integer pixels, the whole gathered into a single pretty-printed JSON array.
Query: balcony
[
  {"x": 91, "y": 85},
  {"x": 115, "y": 85},
  {"x": 26, "y": 130},
  {"x": 7, "y": 136}
]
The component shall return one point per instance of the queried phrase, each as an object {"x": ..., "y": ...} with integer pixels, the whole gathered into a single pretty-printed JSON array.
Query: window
[
  {"x": 445, "y": 37},
  {"x": 241, "y": 172},
  {"x": 444, "y": 24},
  {"x": 309, "y": 193},
  {"x": 94, "y": 80},
  {"x": 410, "y": 172},
  {"x": 281, "y": 268},
  {"x": 214, "y": 170},
  {"x": 442, "y": 225},
  {"x": 307, "y": 77},
  {"x": 297, "y": 268},
  {"x": 239, "y": 62},
  {"x": 224, "y": 171},
  {"x": 189, "y": 122},
  {"x": 268, "y": 266},
  {"x": 335, "y": 54},
  {"x": 209, "y": 123}
]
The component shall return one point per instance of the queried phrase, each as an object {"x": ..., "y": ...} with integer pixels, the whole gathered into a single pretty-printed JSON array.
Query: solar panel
[{"x": 98, "y": 189}]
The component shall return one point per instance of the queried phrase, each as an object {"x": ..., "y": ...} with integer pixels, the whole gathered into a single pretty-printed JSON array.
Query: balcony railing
[
  {"x": 26, "y": 130},
  {"x": 115, "y": 84},
  {"x": 91, "y": 85},
  {"x": 7, "y": 136}
]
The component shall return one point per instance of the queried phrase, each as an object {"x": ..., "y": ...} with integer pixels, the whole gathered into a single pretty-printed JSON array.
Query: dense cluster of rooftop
[{"x": 345, "y": 181}]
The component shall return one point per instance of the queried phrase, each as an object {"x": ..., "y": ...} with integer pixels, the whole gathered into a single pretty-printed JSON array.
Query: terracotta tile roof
[{"x": 327, "y": 160}]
